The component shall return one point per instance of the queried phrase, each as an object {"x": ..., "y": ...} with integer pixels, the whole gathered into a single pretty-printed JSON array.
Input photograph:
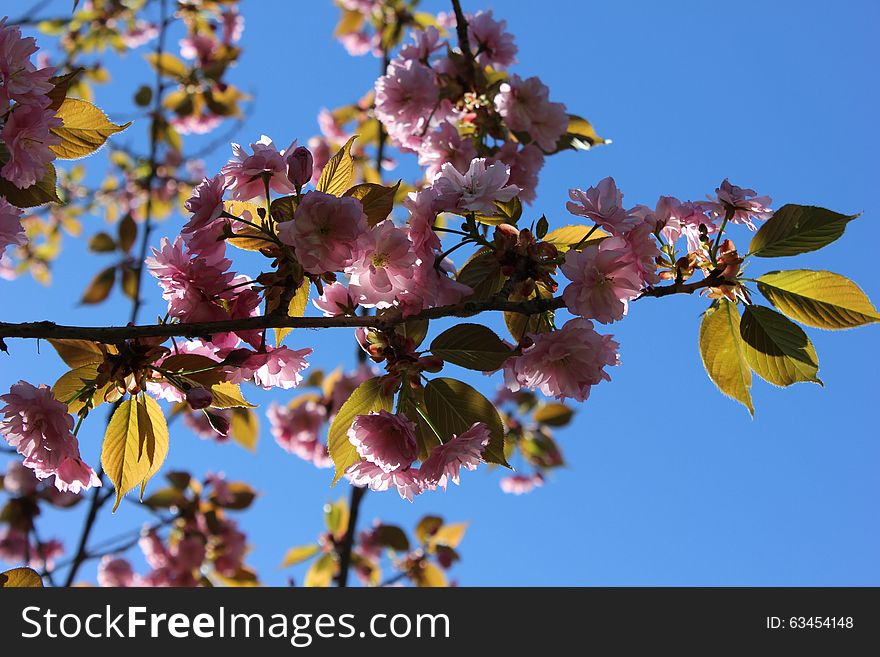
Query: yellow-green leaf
[
  {"x": 297, "y": 308},
  {"x": 135, "y": 444},
  {"x": 336, "y": 517},
  {"x": 228, "y": 395},
  {"x": 482, "y": 273},
  {"x": 168, "y": 65},
  {"x": 454, "y": 407},
  {"x": 818, "y": 298},
  {"x": 377, "y": 200},
  {"x": 569, "y": 237},
  {"x": 321, "y": 572},
  {"x": 723, "y": 352},
  {"x": 100, "y": 287},
  {"x": 71, "y": 383},
  {"x": 448, "y": 535},
  {"x": 368, "y": 397},
  {"x": 299, "y": 554},
  {"x": 246, "y": 237},
  {"x": 580, "y": 135},
  {"x": 553, "y": 414},
  {"x": 20, "y": 578},
  {"x": 245, "y": 428},
  {"x": 430, "y": 576},
  {"x": 338, "y": 173},
  {"x": 795, "y": 229},
  {"x": 86, "y": 128},
  {"x": 41, "y": 192},
  {"x": 77, "y": 353},
  {"x": 776, "y": 348}
]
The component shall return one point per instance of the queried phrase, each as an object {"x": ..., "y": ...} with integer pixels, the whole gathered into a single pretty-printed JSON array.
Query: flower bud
[
  {"x": 199, "y": 398},
  {"x": 299, "y": 166}
]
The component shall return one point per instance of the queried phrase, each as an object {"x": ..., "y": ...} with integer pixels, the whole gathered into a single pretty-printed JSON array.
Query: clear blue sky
[{"x": 668, "y": 482}]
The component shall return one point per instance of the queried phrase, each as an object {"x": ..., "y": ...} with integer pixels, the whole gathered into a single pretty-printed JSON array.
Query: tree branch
[
  {"x": 344, "y": 551},
  {"x": 464, "y": 42}
]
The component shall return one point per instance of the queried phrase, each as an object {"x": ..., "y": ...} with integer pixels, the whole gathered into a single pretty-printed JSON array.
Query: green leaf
[
  {"x": 127, "y": 233},
  {"x": 299, "y": 554},
  {"x": 102, "y": 243},
  {"x": 448, "y": 535},
  {"x": 283, "y": 208},
  {"x": 73, "y": 382},
  {"x": 391, "y": 536},
  {"x": 244, "y": 428},
  {"x": 519, "y": 324},
  {"x": 723, "y": 352},
  {"x": 296, "y": 308},
  {"x": 20, "y": 578},
  {"x": 228, "y": 395},
  {"x": 168, "y": 65},
  {"x": 62, "y": 84},
  {"x": 454, "y": 407},
  {"x": 579, "y": 135},
  {"x": 569, "y": 237},
  {"x": 506, "y": 212},
  {"x": 76, "y": 353},
  {"x": 100, "y": 287},
  {"x": 553, "y": 414},
  {"x": 415, "y": 330},
  {"x": 40, "y": 193},
  {"x": 473, "y": 346},
  {"x": 369, "y": 396},
  {"x": 818, "y": 298},
  {"x": 321, "y": 572},
  {"x": 776, "y": 348},
  {"x": 482, "y": 273},
  {"x": 378, "y": 200},
  {"x": 86, "y": 128},
  {"x": 336, "y": 517},
  {"x": 135, "y": 444},
  {"x": 425, "y": 436},
  {"x": 338, "y": 173},
  {"x": 246, "y": 237},
  {"x": 795, "y": 229}
]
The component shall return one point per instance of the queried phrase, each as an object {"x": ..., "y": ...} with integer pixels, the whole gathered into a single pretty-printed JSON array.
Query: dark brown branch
[
  {"x": 344, "y": 550},
  {"x": 464, "y": 42}
]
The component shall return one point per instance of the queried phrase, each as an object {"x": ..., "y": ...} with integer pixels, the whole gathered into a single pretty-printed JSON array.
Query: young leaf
[
  {"x": 247, "y": 237},
  {"x": 297, "y": 308},
  {"x": 448, "y": 535},
  {"x": 100, "y": 287},
  {"x": 338, "y": 173},
  {"x": 245, "y": 428},
  {"x": 393, "y": 537},
  {"x": 369, "y": 396},
  {"x": 723, "y": 353},
  {"x": 127, "y": 232},
  {"x": 482, "y": 273},
  {"x": 85, "y": 129},
  {"x": 102, "y": 243},
  {"x": 519, "y": 324},
  {"x": 228, "y": 395},
  {"x": 425, "y": 436},
  {"x": 579, "y": 135},
  {"x": 430, "y": 576},
  {"x": 553, "y": 414},
  {"x": 378, "y": 200},
  {"x": 818, "y": 298},
  {"x": 168, "y": 65},
  {"x": 454, "y": 407},
  {"x": 72, "y": 382},
  {"x": 126, "y": 455},
  {"x": 20, "y": 578},
  {"x": 795, "y": 229},
  {"x": 299, "y": 554},
  {"x": 569, "y": 237},
  {"x": 76, "y": 353},
  {"x": 321, "y": 572},
  {"x": 283, "y": 208},
  {"x": 42, "y": 192},
  {"x": 473, "y": 346},
  {"x": 776, "y": 348}
]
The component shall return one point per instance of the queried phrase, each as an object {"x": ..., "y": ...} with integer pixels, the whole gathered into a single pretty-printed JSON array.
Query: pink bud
[
  {"x": 299, "y": 166},
  {"x": 199, "y": 398}
]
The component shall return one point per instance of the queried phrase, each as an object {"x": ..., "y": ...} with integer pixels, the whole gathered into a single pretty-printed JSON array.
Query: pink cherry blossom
[
  {"x": 43, "y": 555},
  {"x": 203, "y": 233},
  {"x": 445, "y": 145},
  {"x": 383, "y": 268},
  {"x": 445, "y": 461},
  {"x": 525, "y": 164},
  {"x": 300, "y": 166},
  {"x": 39, "y": 427},
  {"x": 643, "y": 251},
  {"x": 526, "y": 107},
  {"x": 521, "y": 484},
  {"x": 324, "y": 231},
  {"x": 604, "y": 205},
  {"x": 425, "y": 43},
  {"x": 142, "y": 32},
  {"x": 297, "y": 429},
  {"x": 385, "y": 439},
  {"x": 604, "y": 278},
  {"x": 14, "y": 547},
  {"x": 407, "y": 482},
  {"x": 116, "y": 572},
  {"x": 745, "y": 206},
  {"x": 245, "y": 173},
  {"x": 21, "y": 81},
  {"x": 493, "y": 44},
  {"x": 19, "y": 480},
  {"x": 407, "y": 93},
  {"x": 336, "y": 300},
  {"x": 27, "y": 138},
  {"x": 11, "y": 230},
  {"x": 422, "y": 214},
  {"x": 277, "y": 367},
  {"x": 565, "y": 363},
  {"x": 475, "y": 190}
]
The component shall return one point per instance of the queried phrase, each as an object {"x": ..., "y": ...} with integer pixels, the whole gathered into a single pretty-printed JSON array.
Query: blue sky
[{"x": 668, "y": 482}]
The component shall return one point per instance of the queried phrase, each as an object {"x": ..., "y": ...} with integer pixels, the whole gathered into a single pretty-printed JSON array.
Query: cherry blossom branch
[
  {"x": 464, "y": 43},
  {"x": 344, "y": 552},
  {"x": 388, "y": 320}
]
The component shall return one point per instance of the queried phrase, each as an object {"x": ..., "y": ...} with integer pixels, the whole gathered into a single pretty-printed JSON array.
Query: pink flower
[
  {"x": 140, "y": 33},
  {"x": 203, "y": 233},
  {"x": 564, "y": 363},
  {"x": 154, "y": 550},
  {"x": 406, "y": 482},
  {"x": 11, "y": 230},
  {"x": 383, "y": 268},
  {"x": 525, "y": 164},
  {"x": 358, "y": 43},
  {"x": 277, "y": 367},
  {"x": 300, "y": 165},
  {"x": 445, "y": 461},
  {"x": 115, "y": 572},
  {"x": 385, "y": 439},
  {"x": 477, "y": 189},
  {"x": 19, "y": 480},
  {"x": 603, "y": 204},
  {"x": 526, "y": 107},
  {"x": 43, "y": 555},
  {"x": 743, "y": 203},
  {"x": 684, "y": 219},
  {"x": 444, "y": 144},
  {"x": 521, "y": 484},
  {"x": 14, "y": 546},
  {"x": 297, "y": 429},
  {"x": 324, "y": 231},
  {"x": 200, "y": 123},
  {"x": 643, "y": 251},
  {"x": 604, "y": 278},
  {"x": 422, "y": 213},
  {"x": 39, "y": 427},
  {"x": 493, "y": 45},
  {"x": 27, "y": 138},
  {"x": 407, "y": 93},
  {"x": 335, "y": 301},
  {"x": 21, "y": 81},
  {"x": 245, "y": 173},
  {"x": 425, "y": 43}
]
